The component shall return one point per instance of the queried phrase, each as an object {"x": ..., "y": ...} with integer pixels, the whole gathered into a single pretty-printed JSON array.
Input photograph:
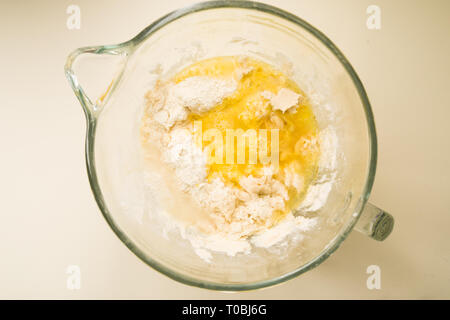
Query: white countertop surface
[{"x": 50, "y": 219}]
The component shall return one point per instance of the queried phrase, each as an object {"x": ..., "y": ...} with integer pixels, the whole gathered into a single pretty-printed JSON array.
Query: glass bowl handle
[
  {"x": 92, "y": 108},
  {"x": 375, "y": 223}
]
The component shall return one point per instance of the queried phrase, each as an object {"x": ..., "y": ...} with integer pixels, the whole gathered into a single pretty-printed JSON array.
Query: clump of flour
[
  {"x": 189, "y": 161},
  {"x": 284, "y": 100},
  {"x": 195, "y": 94}
]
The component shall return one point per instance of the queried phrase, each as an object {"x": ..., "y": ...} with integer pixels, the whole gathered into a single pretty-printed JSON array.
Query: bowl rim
[{"x": 334, "y": 244}]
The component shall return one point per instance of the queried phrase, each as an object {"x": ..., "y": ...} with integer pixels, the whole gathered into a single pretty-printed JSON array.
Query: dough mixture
[{"x": 241, "y": 142}]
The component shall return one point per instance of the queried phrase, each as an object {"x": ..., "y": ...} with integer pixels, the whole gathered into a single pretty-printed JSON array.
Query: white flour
[
  {"x": 189, "y": 161},
  {"x": 195, "y": 94},
  {"x": 284, "y": 100},
  {"x": 200, "y": 94}
]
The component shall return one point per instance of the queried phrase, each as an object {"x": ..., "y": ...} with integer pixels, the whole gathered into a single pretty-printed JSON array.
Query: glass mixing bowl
[{"x": 224, "y": 28}]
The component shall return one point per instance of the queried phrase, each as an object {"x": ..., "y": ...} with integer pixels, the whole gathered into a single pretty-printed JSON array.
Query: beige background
[{"x": 49, "y": 219}]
